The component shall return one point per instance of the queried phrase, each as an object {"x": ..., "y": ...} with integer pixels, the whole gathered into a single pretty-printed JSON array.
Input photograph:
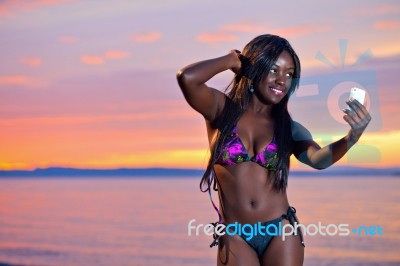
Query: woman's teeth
[{"x": 276, "y": 91}]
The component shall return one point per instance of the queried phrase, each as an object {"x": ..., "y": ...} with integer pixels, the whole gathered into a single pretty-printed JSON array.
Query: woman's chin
[{"x": 275, "y": 99}]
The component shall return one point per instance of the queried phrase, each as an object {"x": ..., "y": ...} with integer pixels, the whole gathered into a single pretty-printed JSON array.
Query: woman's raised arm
[
  {"x": 205, "y": 100},
  {"x": 309, "y": 152}
]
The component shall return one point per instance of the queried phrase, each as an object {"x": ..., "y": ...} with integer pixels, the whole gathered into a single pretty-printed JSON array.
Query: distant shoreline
[{"x": 180, "y": 172}]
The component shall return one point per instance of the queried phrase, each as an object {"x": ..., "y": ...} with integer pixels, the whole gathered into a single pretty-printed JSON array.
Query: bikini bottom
[{"x": 260, "y": 242}]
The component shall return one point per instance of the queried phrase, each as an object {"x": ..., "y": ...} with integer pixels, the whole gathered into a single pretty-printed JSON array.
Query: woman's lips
[{"x": 277, "y": 91}]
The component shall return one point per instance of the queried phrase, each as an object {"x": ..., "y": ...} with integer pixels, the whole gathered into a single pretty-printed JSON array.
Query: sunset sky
[{"x": 91, "y": 84}]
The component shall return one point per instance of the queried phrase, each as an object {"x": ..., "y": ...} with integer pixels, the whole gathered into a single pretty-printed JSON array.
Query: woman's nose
[{"x": 280, "y": 79}]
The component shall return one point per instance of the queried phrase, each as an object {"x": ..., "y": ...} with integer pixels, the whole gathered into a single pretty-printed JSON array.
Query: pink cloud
[
  {"x": 31, "y": 61},
  {"x": 225, "y": 31},
  {"x": 68, "y": 39},
  {"x": 216, "y": 37},
  {"x": 301, "y": 30},
  {"x": 243, "y": 28},
  {"x": 11, "y": 7},
  {"x": 152, "y": 36},
  {"x": 101, "y": 59},
  {"x": 386, "y": 25},
  {"x": 92, "y": 60},
  {"x": 114, "y": 54},
  {"x": 13, "y": 80}
]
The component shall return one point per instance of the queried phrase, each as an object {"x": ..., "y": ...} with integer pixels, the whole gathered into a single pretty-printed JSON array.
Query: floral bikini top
[{"x": 233, "y": 152}]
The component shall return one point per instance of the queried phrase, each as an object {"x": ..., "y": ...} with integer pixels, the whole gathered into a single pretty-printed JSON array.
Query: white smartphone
[{"x": 358, "y": 94}]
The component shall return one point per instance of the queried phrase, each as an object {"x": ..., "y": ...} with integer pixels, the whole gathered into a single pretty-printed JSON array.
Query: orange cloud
[
  {"x": 10, "y": 7},
  {"x": 31, "y": 61},
  {"x": 385, "y": 50},
  {"x": 116, "y": 54},
  {"x": 179, "y": 158},
  {"x": 92, "y": 60},
  {"x": 386, "y": 25},
  {"x": 13, "y": 80},
  {"x": 146, "y": 37},
  {"x": 216, "y": 37},
  {"x": 68, "y": 39}
]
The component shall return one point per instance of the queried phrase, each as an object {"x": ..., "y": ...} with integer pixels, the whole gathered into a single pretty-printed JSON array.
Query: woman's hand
[
  {"x": 358, "y": 118},
  {"x": 236, "y": 64}
]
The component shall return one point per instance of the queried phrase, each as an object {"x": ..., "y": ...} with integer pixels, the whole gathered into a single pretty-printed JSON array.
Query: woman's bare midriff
[{"x": 247, "y": 194}]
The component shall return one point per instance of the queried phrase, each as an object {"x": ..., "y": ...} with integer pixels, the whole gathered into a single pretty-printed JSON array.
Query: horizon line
[
  {"x": 168, "y": 172},
  {"x": 190, "y": 168}
]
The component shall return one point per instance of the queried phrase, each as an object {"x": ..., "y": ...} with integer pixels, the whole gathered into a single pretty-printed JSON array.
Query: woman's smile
[{"x": 278, "y": 90}]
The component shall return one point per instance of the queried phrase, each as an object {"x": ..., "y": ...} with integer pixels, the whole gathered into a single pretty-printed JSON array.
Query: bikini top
[{"x": 233, "y": 152}]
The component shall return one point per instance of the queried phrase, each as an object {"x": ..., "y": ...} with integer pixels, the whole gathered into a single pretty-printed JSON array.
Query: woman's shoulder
[{"x": 300, "y": 132}]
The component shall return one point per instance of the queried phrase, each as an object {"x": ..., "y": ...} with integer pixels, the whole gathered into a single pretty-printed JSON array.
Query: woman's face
[{"x": 276, "y": 84}]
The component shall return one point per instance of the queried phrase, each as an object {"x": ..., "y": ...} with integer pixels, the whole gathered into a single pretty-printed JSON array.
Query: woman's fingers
[
  {"x": 363, "y": 110},
  {"x": 358, "y": 117},
  {"x": 356, "y": 105},
  {"x": 349, "y": 120},
  {"x": 352, "y": 116},
  {"x": 237, "y": 64},
  {"x": 359, "y": 110}
]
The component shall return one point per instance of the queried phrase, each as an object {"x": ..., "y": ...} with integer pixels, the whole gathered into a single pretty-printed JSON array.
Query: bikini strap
[
  {"x": 215, "y": 235},
  {"x": 234, "y": 129},
  {"x": 212, "y": 179},
  {"x": 292, "y": 218}
]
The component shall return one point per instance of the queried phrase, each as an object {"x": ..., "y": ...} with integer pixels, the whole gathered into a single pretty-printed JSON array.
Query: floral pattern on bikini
[{"x": 234, "y": 152}]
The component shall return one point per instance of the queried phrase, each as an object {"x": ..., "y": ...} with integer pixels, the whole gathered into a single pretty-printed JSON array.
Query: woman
[{"x": 251, "y": 137}]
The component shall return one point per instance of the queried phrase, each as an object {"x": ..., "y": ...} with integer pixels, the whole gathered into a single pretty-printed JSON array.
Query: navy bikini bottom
[{"x": 260, "y": 242}]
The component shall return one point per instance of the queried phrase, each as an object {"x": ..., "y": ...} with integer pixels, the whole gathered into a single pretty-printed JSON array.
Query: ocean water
[{"x": 144, "y": 221}]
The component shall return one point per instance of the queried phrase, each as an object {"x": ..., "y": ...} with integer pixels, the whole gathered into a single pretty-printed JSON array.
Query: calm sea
[{"x": 144, "y": 221}]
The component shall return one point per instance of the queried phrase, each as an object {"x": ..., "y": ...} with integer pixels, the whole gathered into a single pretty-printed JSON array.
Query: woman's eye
[
  {"x": 273, "y": 71},
  {"x": 289, "y": 75}
]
